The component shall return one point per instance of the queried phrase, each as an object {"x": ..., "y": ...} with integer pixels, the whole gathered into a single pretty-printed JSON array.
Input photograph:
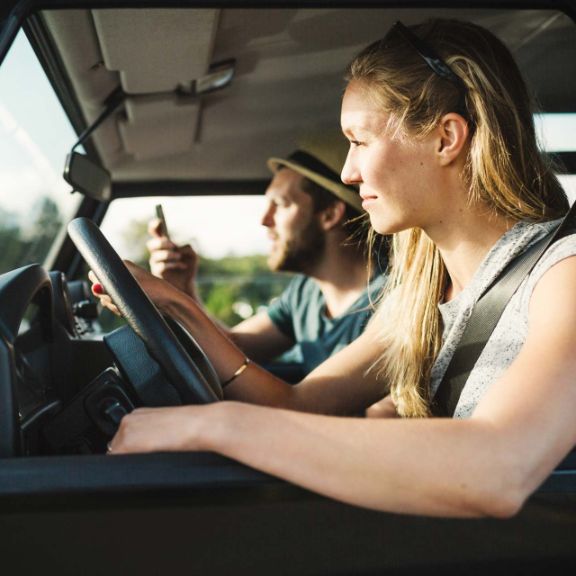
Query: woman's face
[{"x": 395, "y": 173}]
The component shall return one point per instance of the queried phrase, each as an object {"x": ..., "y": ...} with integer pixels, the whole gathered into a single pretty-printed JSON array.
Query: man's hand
[{"x": 177, "y": 265}]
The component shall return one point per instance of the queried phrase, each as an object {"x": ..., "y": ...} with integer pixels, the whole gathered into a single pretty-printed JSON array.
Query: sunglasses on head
[{"x": 434, "y": 62}]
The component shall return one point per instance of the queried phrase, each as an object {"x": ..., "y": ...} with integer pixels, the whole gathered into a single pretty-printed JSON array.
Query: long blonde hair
[{"x": 504, "y": 170}]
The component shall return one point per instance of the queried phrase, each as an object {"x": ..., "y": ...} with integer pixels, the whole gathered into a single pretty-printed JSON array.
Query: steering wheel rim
[{"x": 192, "y": 385}]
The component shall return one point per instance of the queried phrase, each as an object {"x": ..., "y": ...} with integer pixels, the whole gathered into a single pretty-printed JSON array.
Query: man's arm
[{"x": 259, "y": 338}]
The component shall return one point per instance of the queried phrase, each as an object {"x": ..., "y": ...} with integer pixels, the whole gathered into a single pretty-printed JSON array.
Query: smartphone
[{"x": 160, "y": 216}]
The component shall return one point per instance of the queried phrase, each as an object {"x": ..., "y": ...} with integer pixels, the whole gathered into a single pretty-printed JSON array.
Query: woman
[{"x": 445, "y": 156}]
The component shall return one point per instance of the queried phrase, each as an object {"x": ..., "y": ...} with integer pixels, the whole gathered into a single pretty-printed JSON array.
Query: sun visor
[
  {"x": 135, "y": 44},
  {"x": 156, "y": 126}
]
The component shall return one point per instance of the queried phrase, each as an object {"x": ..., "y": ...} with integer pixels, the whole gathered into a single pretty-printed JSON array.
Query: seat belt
[{"x": 486, "y": 314}]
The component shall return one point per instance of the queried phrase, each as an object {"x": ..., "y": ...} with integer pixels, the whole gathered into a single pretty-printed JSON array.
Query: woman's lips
[{"x": 368, "y": 200}]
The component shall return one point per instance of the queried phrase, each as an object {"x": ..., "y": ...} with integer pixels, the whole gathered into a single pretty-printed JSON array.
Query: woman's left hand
[
  {"x": 158, "y": 290},
  {"x": 103, "y": 297}
]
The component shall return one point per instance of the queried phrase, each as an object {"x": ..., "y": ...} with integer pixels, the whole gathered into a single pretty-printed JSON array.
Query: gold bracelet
[{"x": 237, "y": 373}]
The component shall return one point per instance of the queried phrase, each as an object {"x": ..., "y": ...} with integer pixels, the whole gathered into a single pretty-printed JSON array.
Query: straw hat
[{"x": 320, "y": 158}]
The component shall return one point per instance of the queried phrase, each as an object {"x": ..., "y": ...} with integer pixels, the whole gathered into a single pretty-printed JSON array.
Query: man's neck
[{"x": 342, "y": 277}]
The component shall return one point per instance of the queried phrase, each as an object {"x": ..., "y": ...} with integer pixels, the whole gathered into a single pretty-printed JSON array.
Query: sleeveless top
[{"x": 510, "y": 333}]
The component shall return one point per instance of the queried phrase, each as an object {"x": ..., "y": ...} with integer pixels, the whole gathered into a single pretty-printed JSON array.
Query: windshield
[{"x": 35, "y": 136}]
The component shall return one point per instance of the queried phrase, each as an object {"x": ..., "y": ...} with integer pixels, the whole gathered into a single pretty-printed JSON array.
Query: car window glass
[
  {"x": 234, "y": 281},
  {"x": 557, "y": 133},
  {"x": 35, "y": 136}
]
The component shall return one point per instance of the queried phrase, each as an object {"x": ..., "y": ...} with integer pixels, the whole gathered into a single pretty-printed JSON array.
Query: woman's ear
[
  {"x": 452, "y": 138},
  {"x": 332, "y": 215}
]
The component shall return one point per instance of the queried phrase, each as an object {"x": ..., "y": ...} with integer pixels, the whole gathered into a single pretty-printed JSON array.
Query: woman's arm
[
  {"x": 339, "y": 386},
  {"x": 486, "y": 465}
]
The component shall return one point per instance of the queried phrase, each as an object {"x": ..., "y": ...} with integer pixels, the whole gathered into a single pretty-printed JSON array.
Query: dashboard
[{"x": 50, "y": 349}]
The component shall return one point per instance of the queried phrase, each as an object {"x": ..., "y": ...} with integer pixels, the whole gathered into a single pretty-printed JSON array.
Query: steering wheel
[{"x": 195, "y": 383}]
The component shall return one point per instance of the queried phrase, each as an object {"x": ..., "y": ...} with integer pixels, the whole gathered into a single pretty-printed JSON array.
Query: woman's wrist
[{"x": 210, "y": 432}]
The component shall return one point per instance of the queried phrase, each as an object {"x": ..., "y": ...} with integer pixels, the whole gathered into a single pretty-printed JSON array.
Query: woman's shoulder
[{"x": 560, "y": 250}]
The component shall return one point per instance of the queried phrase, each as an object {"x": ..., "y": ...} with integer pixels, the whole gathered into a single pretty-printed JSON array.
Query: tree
[{"x": 28, "y": 243}]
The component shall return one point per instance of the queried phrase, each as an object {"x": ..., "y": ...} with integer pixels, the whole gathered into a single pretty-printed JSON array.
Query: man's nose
[{"x": 268, "y": 216}]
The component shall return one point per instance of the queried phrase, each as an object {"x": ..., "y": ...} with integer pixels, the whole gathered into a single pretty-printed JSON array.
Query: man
[{"x": 314, "y": 226}]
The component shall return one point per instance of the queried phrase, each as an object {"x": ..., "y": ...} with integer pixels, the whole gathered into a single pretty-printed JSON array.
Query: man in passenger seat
[{"x": 314, "y": 226}]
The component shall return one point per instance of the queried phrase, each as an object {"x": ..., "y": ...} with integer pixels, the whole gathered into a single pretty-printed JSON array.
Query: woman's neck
[{"x": 464, "y": 246}]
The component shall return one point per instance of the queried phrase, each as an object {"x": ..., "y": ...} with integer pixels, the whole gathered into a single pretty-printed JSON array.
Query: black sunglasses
[{"x": 434, "y": 62}]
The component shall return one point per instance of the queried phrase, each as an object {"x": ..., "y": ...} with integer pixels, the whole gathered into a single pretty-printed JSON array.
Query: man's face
[{"x": 297, "y": 239}]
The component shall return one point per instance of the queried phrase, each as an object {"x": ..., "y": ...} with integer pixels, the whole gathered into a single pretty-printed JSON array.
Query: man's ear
[
  {"x": 452, "y": 138},
  {"x": 332, "y": 215}
]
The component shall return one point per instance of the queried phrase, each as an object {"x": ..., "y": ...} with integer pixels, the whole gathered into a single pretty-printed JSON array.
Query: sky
[
  {"x": 35, "y": 137},
  {"x": 34, "y": 134}
]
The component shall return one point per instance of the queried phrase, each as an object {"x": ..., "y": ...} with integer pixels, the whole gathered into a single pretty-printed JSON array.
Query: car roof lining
[{"x": 163, "y": 134}]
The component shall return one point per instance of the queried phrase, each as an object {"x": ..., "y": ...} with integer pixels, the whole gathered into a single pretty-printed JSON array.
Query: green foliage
[
  {"x": 230, "y": 287},
  {"x": 234, "y": 287},
  {"x": 28, "y": 243}
]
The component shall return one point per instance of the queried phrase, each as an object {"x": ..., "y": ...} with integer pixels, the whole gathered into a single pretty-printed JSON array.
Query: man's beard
[{"x": 299, "y": 254}]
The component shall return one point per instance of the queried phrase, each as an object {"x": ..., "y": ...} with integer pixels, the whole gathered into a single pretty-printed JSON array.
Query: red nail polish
[{"x": 97, "y": 288}]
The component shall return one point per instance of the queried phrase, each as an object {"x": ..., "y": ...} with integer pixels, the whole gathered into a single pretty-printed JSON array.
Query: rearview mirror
[{"x": 87, "y": 177}]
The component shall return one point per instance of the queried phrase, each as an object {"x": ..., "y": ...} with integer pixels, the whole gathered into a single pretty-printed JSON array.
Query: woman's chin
[{"x": 383, "y": 225}]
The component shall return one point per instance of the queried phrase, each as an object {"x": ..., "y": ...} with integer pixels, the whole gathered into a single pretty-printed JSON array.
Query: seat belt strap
[{"x": 485, "y": 316}]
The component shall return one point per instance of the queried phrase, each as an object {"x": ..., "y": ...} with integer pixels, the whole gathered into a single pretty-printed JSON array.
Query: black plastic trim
[
  {"x": 161, "y": 473},
  {"x": 53, "y": 475}
]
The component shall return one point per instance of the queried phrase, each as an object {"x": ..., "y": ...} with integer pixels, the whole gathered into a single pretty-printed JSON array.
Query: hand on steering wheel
[{"x": 194, "y": 385}]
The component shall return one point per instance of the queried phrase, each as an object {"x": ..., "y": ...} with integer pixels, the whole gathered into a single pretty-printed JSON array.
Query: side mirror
[{"x": 87, "y": 177}]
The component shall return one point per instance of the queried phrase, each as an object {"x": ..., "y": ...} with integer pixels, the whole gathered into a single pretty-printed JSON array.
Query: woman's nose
[{"x": 350, "y": 174}]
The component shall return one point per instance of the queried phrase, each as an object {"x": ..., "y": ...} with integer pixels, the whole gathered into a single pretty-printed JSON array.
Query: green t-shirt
[{"x": 299, "y": 312}]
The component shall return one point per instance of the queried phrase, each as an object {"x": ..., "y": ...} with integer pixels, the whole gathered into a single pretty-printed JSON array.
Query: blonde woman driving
[{"x": 442, "y": 147}]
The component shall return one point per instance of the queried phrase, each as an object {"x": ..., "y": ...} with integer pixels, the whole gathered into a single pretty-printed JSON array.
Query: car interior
[{"x": 190, "y": 99}]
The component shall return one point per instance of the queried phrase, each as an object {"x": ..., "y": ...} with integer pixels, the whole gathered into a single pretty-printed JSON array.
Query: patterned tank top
[{"x": 510, "y": 333}]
